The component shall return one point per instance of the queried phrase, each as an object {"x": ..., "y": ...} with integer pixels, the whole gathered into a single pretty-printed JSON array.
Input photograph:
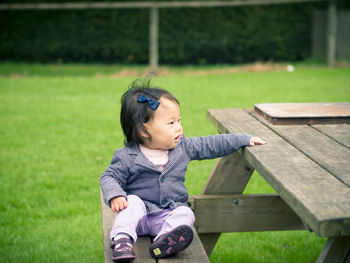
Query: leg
[
  {"x": 175, "y": 235},
  {"x": 127, "y": 220},
  {"x": 152, "y": 224},
  {"x": 336, "y": 249},
  {"x": 181, "y": 215}
]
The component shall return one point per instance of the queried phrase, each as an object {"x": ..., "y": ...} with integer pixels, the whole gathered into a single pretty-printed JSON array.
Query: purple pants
[{"x": 134, "y": 220}]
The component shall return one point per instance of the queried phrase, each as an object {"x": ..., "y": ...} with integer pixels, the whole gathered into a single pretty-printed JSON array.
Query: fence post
[
  {"x": 332, "y": 32},
  {"x": 153, "y": 36}
]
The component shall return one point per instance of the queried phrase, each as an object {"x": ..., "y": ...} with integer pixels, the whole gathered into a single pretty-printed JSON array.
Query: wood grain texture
[
  {"x": 230, "y": 175},
  {"x": 303, "y": 110},
  {"x": 338, "y": 132},
  {"x": 304, "y": 113},
  {"x": 244, "y": 213},
  {"x": 142, "y": 250},
  {"x": 321, "y": 148},
  {"x": 107, "y": 223},
  {"x": 336, "y": 250},
  {"x": 317, "y": 197}
]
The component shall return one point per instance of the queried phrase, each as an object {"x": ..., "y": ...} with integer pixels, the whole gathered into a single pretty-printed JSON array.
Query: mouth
[{"x": 177, "y": 138}]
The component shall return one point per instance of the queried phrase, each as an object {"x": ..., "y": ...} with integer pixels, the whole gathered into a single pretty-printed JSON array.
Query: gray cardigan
[{"x": 130, "y": 172}]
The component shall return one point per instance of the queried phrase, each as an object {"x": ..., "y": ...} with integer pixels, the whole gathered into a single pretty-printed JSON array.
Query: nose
[{"x": 178, "y": 127}]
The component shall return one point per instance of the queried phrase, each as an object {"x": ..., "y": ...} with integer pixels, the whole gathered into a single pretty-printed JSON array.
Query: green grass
[{"x": 59, "y": 130}]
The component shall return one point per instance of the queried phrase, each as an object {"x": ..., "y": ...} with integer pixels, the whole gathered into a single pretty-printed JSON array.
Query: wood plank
[
  {"x": 244, "y": 213},
  {"x": 317, "y": 197},
  {"x": 209, "y": 241},
  {"x": 107, "y": 223},
  {"x": 320, "y": 148},
  {"x": 145, "y": 4},
  {"x": 336, "y": 250},
  {"x": 142, "y": 250},
  {"x": 193, "y": 253},
  {"x": 347, "y": 260},
  {"x": 331, "y": 32},
  {"x": 338, "y": 132},
  {"x": 153, "y": 39},
  {"x": 304, "y": 113},
  {"x": 141, "y": 246}
]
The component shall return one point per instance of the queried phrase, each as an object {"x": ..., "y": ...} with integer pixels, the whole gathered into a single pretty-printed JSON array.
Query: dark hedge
[{"x": 186, "y": 35}]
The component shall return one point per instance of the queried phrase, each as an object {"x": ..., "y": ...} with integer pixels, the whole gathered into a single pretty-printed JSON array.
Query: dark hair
[{"x": 134, "y": 114}]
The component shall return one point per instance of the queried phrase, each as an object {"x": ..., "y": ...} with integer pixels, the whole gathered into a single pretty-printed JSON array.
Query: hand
[
  {"x": 118, "y": 204},
  {"x": 256, "y": 140}
]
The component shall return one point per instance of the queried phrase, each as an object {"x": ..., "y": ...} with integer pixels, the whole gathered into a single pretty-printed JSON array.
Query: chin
[{"x": 172, "y": 146}]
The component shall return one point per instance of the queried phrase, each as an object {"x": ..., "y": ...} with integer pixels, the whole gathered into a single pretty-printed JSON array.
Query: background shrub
[{"x": 186, "y": 35}]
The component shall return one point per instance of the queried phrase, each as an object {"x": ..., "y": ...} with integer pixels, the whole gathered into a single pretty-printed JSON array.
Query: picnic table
[
  {"x": 308, "y": 165},
  {"x": 307, "y": 162}
]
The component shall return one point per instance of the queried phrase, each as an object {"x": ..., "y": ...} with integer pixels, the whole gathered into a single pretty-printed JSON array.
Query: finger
[
  {"x": 252, "y": 141},
  {"x": 116, "y": 207},
  {"x": 125, "y": 204},
  {"x": 257, "y": 140},
  {"x": 261, "y": 141}
]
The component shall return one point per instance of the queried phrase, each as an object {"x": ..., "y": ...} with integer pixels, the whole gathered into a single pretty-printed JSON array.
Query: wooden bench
[{"x": 194, "y": 253}]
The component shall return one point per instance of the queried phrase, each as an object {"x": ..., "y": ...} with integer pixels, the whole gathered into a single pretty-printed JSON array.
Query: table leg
[
  {"x": 209, "y": 241},
  {"x": 336, "y": 250},
  {"x": 229, "y": 176}
]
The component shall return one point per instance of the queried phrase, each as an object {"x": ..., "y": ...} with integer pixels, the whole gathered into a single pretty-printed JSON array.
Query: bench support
[
  {"x": 336, "y": 250},
  {"x": 243, "y": 213}
]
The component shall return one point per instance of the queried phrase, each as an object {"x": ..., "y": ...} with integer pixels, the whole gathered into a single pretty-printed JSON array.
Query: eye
[{"x": 171, "y": 123}]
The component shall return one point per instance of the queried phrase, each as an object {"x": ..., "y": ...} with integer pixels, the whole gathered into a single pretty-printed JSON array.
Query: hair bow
[{"x": 153, "y": 103}]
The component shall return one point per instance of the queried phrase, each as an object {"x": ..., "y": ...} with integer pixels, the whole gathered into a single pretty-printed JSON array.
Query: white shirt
[{"x": 158, "y": 157}]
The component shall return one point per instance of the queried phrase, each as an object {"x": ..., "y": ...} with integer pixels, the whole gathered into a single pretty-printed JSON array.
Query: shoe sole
[
  {"x": 123, "y": 258},
  {"x": 172, "y": 242}
]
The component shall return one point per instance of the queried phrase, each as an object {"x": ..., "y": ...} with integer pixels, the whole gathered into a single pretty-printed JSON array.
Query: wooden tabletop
[
  {"x": 307, "y": 165},
  {"x": 305, "y": 113}
]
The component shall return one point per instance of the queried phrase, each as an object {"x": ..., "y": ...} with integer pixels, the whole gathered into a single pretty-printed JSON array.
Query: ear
[{"x": 143, "y": 130}]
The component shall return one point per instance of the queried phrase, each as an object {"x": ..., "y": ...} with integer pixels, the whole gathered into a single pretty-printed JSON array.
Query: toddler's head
[{"x": 150, "y": 116}]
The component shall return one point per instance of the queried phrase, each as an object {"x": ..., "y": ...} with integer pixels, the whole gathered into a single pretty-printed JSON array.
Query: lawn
[{"x": 60, "y": 126}]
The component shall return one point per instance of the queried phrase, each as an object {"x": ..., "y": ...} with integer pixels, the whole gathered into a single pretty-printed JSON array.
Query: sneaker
[
  {"x": 123, "y": 250},
  {"x": 172, "y": 242}
]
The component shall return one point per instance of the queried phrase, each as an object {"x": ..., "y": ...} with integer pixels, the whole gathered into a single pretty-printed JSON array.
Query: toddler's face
[{"x": 165, "y": 127}]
